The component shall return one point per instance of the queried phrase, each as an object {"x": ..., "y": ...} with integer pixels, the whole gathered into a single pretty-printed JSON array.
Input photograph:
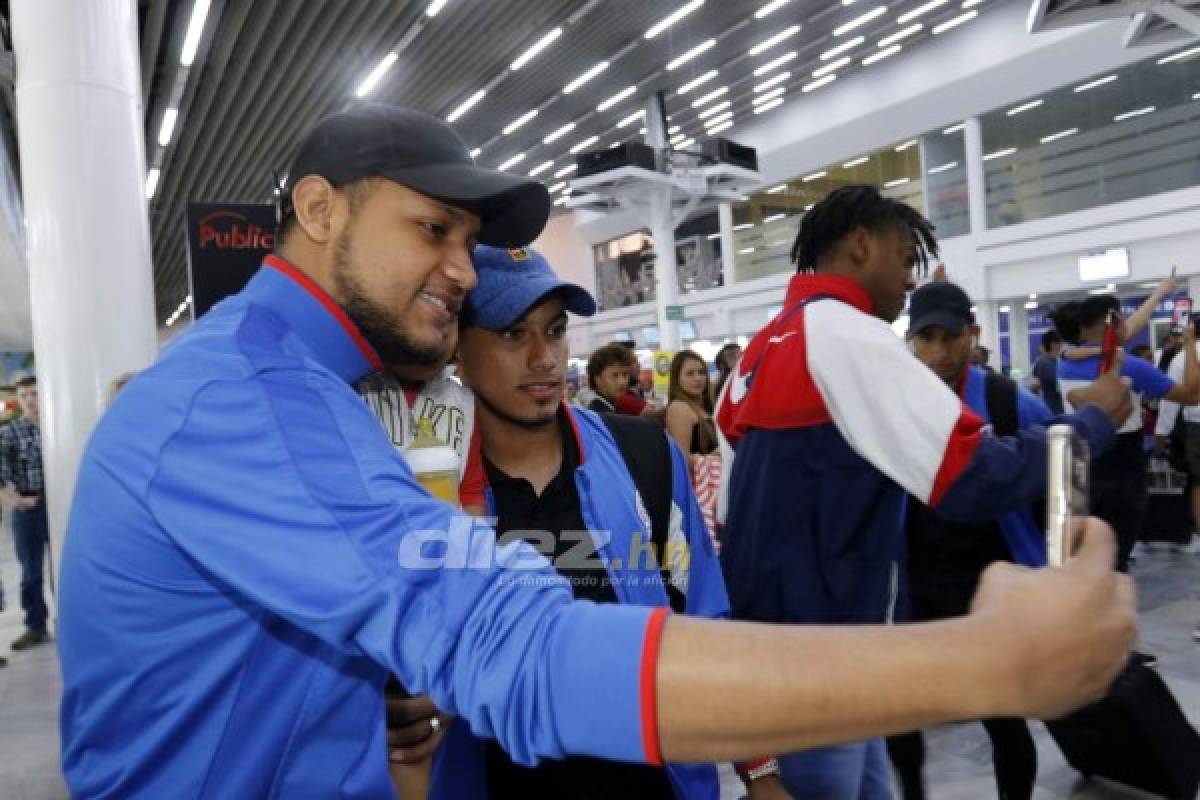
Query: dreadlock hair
[{"x": 861, "y": 206}]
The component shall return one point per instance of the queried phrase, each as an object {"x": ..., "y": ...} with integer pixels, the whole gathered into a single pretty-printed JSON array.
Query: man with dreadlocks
[{"x": 833, "y": 421}]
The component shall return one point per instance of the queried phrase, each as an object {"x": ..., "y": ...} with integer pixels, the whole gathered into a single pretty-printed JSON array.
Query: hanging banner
[{"x": 226, "y": 244}]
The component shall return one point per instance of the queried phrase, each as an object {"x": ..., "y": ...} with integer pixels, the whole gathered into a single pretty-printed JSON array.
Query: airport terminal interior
[{"x": 147, "y": 154}]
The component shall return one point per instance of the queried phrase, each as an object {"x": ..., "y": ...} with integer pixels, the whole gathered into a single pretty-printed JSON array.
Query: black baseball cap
[
  {"x": 376, "y": 140},
  {"x": 941, "y": 304}
]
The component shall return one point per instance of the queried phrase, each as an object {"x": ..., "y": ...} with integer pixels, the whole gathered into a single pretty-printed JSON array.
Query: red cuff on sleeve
[
  {"x": 742, "y": 767},
  {"x": 649, "y": 686}
]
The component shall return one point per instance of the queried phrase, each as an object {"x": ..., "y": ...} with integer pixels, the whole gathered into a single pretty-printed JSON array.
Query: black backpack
[
  {"x": 647, "y": 454},
  {"x": 1000, "y": 394}
]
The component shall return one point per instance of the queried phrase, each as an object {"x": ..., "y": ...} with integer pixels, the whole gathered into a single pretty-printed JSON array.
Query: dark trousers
[
  {"x": 1014, "y": 755},
  {"x": 1122, "y": 504},
  {"x": 30, "y": 534}
]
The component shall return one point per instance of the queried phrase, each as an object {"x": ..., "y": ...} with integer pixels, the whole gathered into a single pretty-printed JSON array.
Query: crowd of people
[{"x": 260, "y": 597}]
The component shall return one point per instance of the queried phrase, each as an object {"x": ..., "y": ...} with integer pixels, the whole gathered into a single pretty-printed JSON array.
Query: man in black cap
[
  {"x": 248, "y": 558},
  {"x": 945, "y": 558}
]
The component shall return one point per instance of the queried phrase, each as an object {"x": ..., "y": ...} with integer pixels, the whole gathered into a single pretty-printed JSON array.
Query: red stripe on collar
[{"x": 330, "y": 305}]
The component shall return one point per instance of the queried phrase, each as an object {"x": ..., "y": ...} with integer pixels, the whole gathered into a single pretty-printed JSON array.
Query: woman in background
[{"x": 689, "y": 405}]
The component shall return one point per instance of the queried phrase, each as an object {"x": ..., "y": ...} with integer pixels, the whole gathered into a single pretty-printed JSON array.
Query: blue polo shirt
[{"x": 247, "y": 559}]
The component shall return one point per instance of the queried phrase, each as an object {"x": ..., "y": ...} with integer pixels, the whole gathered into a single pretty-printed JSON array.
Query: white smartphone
[{"x": 1066, "y": 490}]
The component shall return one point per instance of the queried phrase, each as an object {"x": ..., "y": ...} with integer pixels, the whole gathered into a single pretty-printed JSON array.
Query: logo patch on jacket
[{"x": 518, "y": 253}]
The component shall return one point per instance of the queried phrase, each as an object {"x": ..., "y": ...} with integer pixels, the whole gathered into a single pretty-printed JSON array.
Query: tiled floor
[{"x": 959, "y": 756}]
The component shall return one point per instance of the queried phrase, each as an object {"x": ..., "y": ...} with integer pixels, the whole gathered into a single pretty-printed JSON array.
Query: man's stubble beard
[
  {"x": 382, "y": 328},
  {"x": 531, "y": 424}
]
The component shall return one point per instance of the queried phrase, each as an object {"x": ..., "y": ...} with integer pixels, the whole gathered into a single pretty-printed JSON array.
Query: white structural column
[
  {"x": 976, "y": 178},
  {"x": 79, "y": 125},
  {"x": 728, "y": 247},
  {"x": 1018, "y": 336},
  {"x": 662, "y": 229},
  {"x": 987, "y": 316}
]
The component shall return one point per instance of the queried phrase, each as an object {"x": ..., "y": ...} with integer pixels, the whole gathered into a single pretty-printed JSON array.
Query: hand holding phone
[{"x": 1066, "y": 490}]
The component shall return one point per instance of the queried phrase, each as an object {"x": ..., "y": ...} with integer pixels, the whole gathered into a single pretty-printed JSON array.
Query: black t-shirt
[
  {"x": 519, "y": 508},
  {"x": 945, "y": 560}
]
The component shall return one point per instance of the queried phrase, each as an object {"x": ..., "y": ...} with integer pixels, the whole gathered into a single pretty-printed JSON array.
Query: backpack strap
[
  {"x": 1000, "y": 394},
  {"x": 647, "y": 456}
]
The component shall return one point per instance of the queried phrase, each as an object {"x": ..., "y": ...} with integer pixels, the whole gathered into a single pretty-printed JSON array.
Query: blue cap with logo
[{"x": 513, "y": 280}]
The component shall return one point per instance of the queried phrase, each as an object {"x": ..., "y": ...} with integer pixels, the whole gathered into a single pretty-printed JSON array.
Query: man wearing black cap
[
  {"x": 248, "y": 558},
  {"x": 946, "y": 558}
]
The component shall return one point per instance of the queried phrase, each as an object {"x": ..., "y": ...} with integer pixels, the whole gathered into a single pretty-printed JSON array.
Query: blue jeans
[
  {"x": 30, "y": 534},
  {"x": 858, "y": 771}
]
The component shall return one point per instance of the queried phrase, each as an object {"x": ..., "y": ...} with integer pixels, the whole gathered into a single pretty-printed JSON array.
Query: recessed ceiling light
[
  {"x": 519, "y": 121},
  {"x": 616, "y": 98},
  {"x": 780, "y": 78},
  {"x": 857, "y": 22},
  {"x": 584, "y": 145},
  {"x": 775, "y": 5},
  {"x": 1032, "y": 104},
  {"x": 699, "y": 49},
  {"x": 537, "y": 47},
  {"x": 843, "y": 47},
  {"x": 713, "y": 109},
  {"x": 1093, "y": 84},
  {"x": 920, "y": 10},
  {"x": 567, "y": 170},
  {"x": 776, "y": 63},
  {"x": 831, "y": 66},
  {"x": 585, "y": 77},
  {"x": 954, "y": 23},
  {"x": 943, "y": 167},
  {"x": 375, "y": 75},
  {"x": 891, "y": 39},
  {"x": 634, "y": 117},
  {"x": 466, "y": 106},
  {"x": 881, "y": 55},
  {"x": 512, "y": 162},
  {"x": 672, "y": 18},
  {"x": 718, "y": 128},
  {"x": 1008, "y": 151},
  {"x": 768, "y": 43},
  {"x": 713, "y": 95},
  {"x": 765, "y": 96},
  {"x": 814, "y": 176},
  {"x": 1054, "y": 137},
  {"x": 828, "y": 79},
  {"x": 895, "y": 183},
  {"x": 694, "y": 82},
  {"x": 538, "y": 170},
  {"x": 1135, "y": 113},
  {"x": 558, "y": 134},
  {"x": 954, "y": 128},
  {"x": 855, "y": 162}
]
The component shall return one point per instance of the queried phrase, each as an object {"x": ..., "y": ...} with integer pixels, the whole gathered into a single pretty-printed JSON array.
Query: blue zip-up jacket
[
  {"x": 248, "y": 557},
  {"x": 1025, "y": 538},
  {"x": 606, "y": 497},
  {"x": 833, "y": 421}
]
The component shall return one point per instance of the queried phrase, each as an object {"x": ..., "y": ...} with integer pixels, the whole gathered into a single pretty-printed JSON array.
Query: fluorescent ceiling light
[
  {"x": 1032, "y": 104},
  {"x": 512, "y": 162},
  {"x": 634, "y": 117},
  {"x": 690, "y": 54},
  {"x": 775, "y": 5},
  {"x": 475, "y": 153},
  {"x": 891, "y": 39},
  {"x": 679, "y": 137},
  {"x": 191, "y": 39},
  {"x": 843, "y": 47},
  {"x": 694, "y": 82},
  {"x": 954, "y": 128},
  {"x": 167, "y": 128},
  {"x": 895, "y": 183},
  {"x": 1135, "y": 113},
  {"x": 1033, "y": 295},
  {"x": 773, "y": 218},
  {"x": 831, "y": 66},
  {"x": 1054, "y": 137},
  {"x": 616, "y": 98},
  {"x": 1093, "y": 84},
  {"x": 881, "y": 55},
  {"x": 971, "y": 3},
  {"x": 1005, "y": 309},
  {"x": 954, "y": 23},
  {"x": 519, "y": 121},
  {"x": 770, "y": 65},
  {"x": 557, "y": 186},
  {"x": 1180, "y": 56},
  {"x": 746, "y": 251},
  {"x": 920, "y": 10},
  {"x": 777, "y": 189},
  {"x": 375, "y": 75},
  {"x": 671, "y": 19},
  {"x": 1196, "y": 96},
  {"x": 744, "y": 226},
  {"x": 467, "y": 105},
  {"x": 718, "y": 128},
  {"x": 1032, "y": 304},
  {"x": 828, "y": 79},
  {"x": 433, "y": 8},
  {"x": 900, "y": 148},
  {"x": 713, "y": 109},
  {"x": 943, "y": 168},
  {"x": 719, "y": 118},
  {"x": 567, "y": 170},
  {"x": 712, "y": 236},
  {"x": 538, "y": 170},
  {"x": 1008, "y": 151},
  {"x": 151, "y": 182},
  {"x": 768, "y": 43},
  {"x": 674, "y": 129},
  {"x": 584, "y": 145},
  {"x": 558, "y": 134},
  {"x": 874, "y": 13},
  {"x": 776, "y": 92},
  {"x": 562, "y": 201},
  {"x": 585, "y": 77},
  {"x": 713, "y": 95},
  {"x": 814, "y": 176},
  {"x": 537, "y": 47},
  {"x": 855, "y": 162},
  {"x": 780, "y": 78},
  {"x": 685, "y": 144}
]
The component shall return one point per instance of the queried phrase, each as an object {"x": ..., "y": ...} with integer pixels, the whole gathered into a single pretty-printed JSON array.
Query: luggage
[
  {"x": 1137, "y": 736},
  {"x": 1168, "y": 511}
]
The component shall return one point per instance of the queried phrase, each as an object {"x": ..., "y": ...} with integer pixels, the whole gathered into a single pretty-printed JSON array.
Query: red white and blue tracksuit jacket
[{"x": 833, "y": 421}]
